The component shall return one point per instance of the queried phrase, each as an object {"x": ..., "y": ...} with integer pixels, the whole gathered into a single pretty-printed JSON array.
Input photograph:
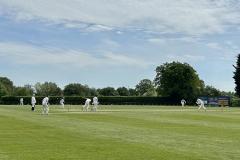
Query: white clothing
[
  {"x": 45, "y": 101},
  {"x": 86, "y": 105},
  {"x": 45, "y": 107},
  {"x": 62, "y": 103},
  {"x": 200, "y": 103},
  {"x": 183, "y": 102},
  {"x": 88, "y": 101},
  {"x": 95, "y": 100},
  {"x": 21, "y": 101},
  {"x": 95, "y": 104},
  {"x": 33, "y": 100}
]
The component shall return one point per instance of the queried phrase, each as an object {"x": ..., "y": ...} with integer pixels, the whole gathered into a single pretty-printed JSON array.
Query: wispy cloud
[
  {"x": 88, "y": 27},
  {"x": 227, "y": 46},
  {"x": 32, "y": 55},
  {"x": 186, "y": 58},
  {"x": 214, "y": 45},
  {"x": 182, "y": 16},
  {"x": 126, "y": 60},
  {"x": 165, "y": 40},
  {"x": 157, "y": 40}
]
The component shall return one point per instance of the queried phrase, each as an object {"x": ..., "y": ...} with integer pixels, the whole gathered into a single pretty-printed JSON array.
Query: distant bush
[{"x": 235, "y": 102}]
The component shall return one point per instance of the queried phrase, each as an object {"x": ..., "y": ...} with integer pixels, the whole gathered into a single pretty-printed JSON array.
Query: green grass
[{"x": 119, "y": 133}]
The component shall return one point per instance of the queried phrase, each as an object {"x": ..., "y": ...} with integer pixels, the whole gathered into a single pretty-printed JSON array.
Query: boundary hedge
[{"x": 114, "y": 100}]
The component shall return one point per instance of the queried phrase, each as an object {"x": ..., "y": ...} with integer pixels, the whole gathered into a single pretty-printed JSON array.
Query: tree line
[{"x": 175, "y": 79}]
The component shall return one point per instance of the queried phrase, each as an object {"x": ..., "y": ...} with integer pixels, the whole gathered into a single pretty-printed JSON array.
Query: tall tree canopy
[
  {"x": 6, "y": 86},
  {"x": 108, "y": 91},
  {"x": 48, "y": 89},
  {"x": 22, "y": 91},
  {"x": 236, "y": 76},
  {"x": 178, "y": 80},
  {"x": 132, "y": 92},
  {"x": 3, "y": 90},
  {"x": 211, "y": 92},
  {"x": 77, "y": 89},
  {"x": 145, "y": 88},
  {"x": 123, "y": 91}
]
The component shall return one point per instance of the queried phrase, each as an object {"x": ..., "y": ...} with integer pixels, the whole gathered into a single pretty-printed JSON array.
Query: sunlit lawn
[{"x": 119, "y": 133}]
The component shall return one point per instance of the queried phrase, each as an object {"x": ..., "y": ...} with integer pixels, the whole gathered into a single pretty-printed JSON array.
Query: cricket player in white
[
  {"x": 21, "y": 101},
  {"x": 200, "y": 103},
  {"x": 33, "y": 102},
  {"x": 95, "y": 104},
  {"x": 45, "y": 108},
  {"x": 183, "y": 102},
  {"x": 62, "y": 102},
  {"x": 87, "y": 104}
]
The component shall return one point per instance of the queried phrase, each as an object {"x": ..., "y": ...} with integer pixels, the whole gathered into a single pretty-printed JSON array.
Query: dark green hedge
[
  {"x": 138, "y": 101},
  {"x": 10, "y": 100},
  {"x": 76, "y": 100},
  {"x": 235, "y": 102}
]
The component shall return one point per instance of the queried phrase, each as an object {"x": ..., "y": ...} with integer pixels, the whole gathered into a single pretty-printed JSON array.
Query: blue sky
[{"x": 117, "y": 43}]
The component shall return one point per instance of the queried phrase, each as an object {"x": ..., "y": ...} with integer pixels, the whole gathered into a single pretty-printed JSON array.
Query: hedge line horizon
[
  {"x": 107, "y": 100},
  {"x": 175, "y": 80}
]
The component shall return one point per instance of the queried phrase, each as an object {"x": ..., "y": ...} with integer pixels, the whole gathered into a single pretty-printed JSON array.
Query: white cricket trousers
[
  {"x": 86, "y": 107},
  {"x": 45, "y": 109},
  {"x": 201, "y": 106},
  {"x": 95, "y": 105}
]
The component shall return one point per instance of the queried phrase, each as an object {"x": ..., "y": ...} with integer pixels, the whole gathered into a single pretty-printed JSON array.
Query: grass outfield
[{"x": 119, "y": 133}]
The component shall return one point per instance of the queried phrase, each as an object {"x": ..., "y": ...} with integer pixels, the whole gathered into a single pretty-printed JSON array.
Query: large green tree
[
  {"x": 93, "y": 92},
  {"x": 77, "y": 89},
  {"x": 7, "y": 84},
  {"x": 145, "y": 88},
  {"x": 236, "y": 76},
  {"x": 22, "y": 91},
  {"x": 211, "y": 92},
  {"x": 123, "y": 91},
  {"x": 132, "y": 92},
  {"x": 3, "y": 90},
  {"x": 108, "y": 91},
  {"x": 178, "y": 80},
  {"x": 48, "y": 89}
]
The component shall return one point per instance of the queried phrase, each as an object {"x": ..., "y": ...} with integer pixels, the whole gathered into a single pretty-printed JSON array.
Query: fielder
[
  {"x": 62, "y": 102},
  {"x": 200, "y": 103},
  {"x": 21, "y": 101},
  {"x": 86, "y": 105},
  {"x": 95, "y": 104},
  {"x": 45, "y": 108},
  {"x": 183, "y": 102},
  {"x": 33, "y": 102}
]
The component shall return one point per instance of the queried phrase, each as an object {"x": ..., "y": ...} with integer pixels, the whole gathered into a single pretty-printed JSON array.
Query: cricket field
[{"x": 119, "y": 133}]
